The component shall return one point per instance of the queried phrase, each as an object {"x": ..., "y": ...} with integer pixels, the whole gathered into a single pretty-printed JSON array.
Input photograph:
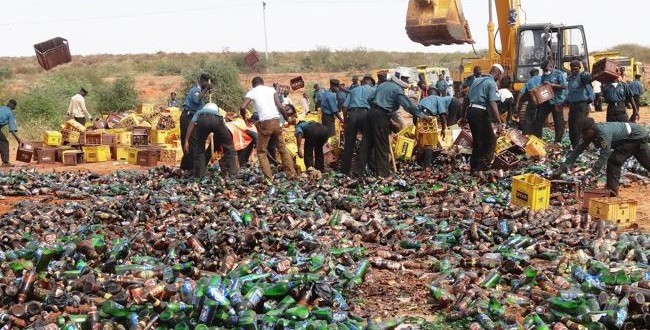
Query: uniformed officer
[
  {"x": 482, "y": 112},
  {"x": 193, "y": 103},
  {"x": 384, "y": 101},
  {"x": 615, "y": 94},
  {"x": 355, "y": 110},
  {"x": 637, "y": 89},
  {"x": 315, "y": 136},
  {"x": 437, "y": 106},
  {"x": 330, "y": 108},
  {"x": 617, "y": 142},
  {"x": 553, "y": 106},
  {"x": 8, "y": 119},
  {"x": 528, "y": 119},
  {"x": 205, "y": 121},
  {"x": 580, "y": 95},
  {"x": 467, "y": 83}
]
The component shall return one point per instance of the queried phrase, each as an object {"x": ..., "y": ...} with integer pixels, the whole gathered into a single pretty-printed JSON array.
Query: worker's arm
[
  {"x": 443, "y": 122},
  {"x": 281, "y": 107},
  {"x": 574, "y": 154},
  {"x": 190, "y": 129},
  {"x": 13, "y": 128},
  {"x": 635, "y": 107},
  {"x": 82, "y": 104},
  {"x": 333, "y": 105},
  {"x": 242, "y": 110},
  {"x": 406, "y": 103},
  {"x": 299, "y": 144}
]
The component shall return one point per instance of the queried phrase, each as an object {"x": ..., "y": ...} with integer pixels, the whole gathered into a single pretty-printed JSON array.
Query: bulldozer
[{"x": 523, "y": 46}]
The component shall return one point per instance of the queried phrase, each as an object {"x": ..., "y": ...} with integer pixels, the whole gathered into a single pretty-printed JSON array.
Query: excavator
[{"x": 523, "y": 46}]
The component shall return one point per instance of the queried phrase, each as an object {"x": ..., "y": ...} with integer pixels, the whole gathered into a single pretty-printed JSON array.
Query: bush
[
  {"x": 5, "y": 73},
  {"x": 118, "y": 96},
  {"x": 168, "y": 68},
  {"x": 227, "y": 91}
]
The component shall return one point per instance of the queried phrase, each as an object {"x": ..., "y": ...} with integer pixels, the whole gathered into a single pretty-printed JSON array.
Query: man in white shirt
[
  {"x": 598, "y": 95},
  {"x": 269, "y": 108},
  {"x": 304, "y": 103},
  {"x": 286, "y": 100},
  {"x": 77, "y": 107},
  {"x": 450, "y": 86}
]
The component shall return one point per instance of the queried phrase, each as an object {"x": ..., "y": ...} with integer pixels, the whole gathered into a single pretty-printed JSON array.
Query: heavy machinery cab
[{"x": 539, "y": 42}]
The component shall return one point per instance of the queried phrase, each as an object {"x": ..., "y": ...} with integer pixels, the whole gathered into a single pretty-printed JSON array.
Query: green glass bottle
[
  {"x": 495, "y": 308},
  {"x": 299, "y": 312},
  {"x": 114, "y": 309},
  {"x": 278, "y": 290},
  {"x": 324, "y": 313},
  {"x": 491, "y": 280},
  {"x": 247, "y": 320},
  {"x": 360, "y": 273}
]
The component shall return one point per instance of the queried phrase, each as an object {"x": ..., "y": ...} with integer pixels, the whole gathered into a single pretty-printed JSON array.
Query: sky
[{"x": 149, "y": 26}]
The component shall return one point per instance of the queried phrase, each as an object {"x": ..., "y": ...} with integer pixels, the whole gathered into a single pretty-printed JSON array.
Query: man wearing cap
[
  {"x": 8, "y": 119},
  {"x": 330, "y": 107},
  {"x": 483, "y": 110},
  {"x": 210, "y": 120},
  {"x": 555, "y": 78},
  {"x": 441, "y": 85},
  {"x": 194, "y": 101},
  {"x": 355, "y": 83},
  {"x": 172, "y": 102},
  {"x": 385, "y": 101},
  {"x": 77, "y": 108},
  {"x": 636, "y": 87},
  {"x": 269, "y": 108},
  {"x": 315, "y": 136},
  {"x": 617, "y": 143},
  {"x": 579, "y": 96},
  {"x": 615, "y": 94},
  {"x": 355, "y": 110},
  {"x": 318, "y": 97},
  {"x": 528, "y": 119}
]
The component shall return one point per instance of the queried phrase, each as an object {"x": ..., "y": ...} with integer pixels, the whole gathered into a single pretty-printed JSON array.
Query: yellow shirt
[{"x": 77, "y": 107}]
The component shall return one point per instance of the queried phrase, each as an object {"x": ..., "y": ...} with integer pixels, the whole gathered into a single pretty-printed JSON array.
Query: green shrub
[
  {"x": 168, "y": 68},
  {"x": 119, "y": 96},
  {"x": 5, "y": 73},
  {"x": 227, "y": 91}
]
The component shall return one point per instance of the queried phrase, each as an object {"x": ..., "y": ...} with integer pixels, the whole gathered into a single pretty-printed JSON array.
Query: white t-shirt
[
  {"x": 505, "y": 94},
  {"x": 596, "y": 86},
  {"x": 263, "y": 102}
]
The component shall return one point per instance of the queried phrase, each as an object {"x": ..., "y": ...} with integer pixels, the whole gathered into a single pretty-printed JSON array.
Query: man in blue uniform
[
  {"x": 482, "y": 112},
  {"x": 384, "y": 101},
  {"x": 617, "y": 142},
  {"x": 580, "y": 95},
  {"x": 467, "y": 83},
  {"x": 193, "y": 103},
  {"x": 636, "y": 87},
  {"x": 553, "y": 106},
  {"x": 441, "y": 85},
  {"x": 528, "y": 119},
  {"x": 318, "y": 97},
  {"x": 355, "y": 109},
  {"x": 330, "y": 107},
  {"x": 615, "y": 94},
  {"x": 7, "y": 119},
  {"x": 315, "y": 136},
  {"x": 205, "y": 121}
]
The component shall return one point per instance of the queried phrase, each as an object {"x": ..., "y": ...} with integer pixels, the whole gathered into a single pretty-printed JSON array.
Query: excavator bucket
[{"x": 437, "y": 22}]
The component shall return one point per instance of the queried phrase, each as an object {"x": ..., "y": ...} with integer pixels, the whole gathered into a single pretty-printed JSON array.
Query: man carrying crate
[
  {"x": 7, "y": 119},
  {"x": 617, "y": 142}
]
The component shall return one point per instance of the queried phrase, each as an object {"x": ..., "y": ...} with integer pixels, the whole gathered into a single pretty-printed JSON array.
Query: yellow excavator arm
[{"x": 437, "y": 22}]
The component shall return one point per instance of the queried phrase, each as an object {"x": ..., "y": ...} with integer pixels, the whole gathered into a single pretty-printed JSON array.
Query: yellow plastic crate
[
  {"x": 95, "y": 154},
  {"x": 159, "y": 136},
  {"x": 144, "y": 108},
  {"x": 52, "y": 138},
  {"x": 619, "y": 210},
  {"x": 171, "y": 155},
  {"x": 404, "y": 147},
  {"x": 124, "y": 138},
  {"x": 313, "y": 117},
  {"x": 300, "y": 163},
  {"x": 408, "y": 131},
  {"x": 447, "y": 142},
  {"x": 535, "y": 147},
  {"x": 530, "y": 190},
  {"x": 503, "y": 143},
  {"x": 292, "y": 148},
  {"x": 133, "y": 156},
  {"x": 121, "y": 153}
]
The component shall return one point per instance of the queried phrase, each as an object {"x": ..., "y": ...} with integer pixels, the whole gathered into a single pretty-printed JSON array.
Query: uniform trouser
[
  {"x": 328, "y": 121},
  {"x": 355, "y": 122},
  {"x": 598, "y": 101},
  {"x": 187, "y": 162},
  {"x": 616, "y": 112},
  {"x": 221, "y": 137},
  {"x": 80, "y": 120},
  {"x": 4, "y": 148},
  {"x": 484, "y": 141},
  {"x": 637, "y": 100},
  {"x": 375, "y": 142},
  {"x": 543, "y": 110},
  {"x": 267, "y": 130},
  {"x": 577, "y": 112},
  {"x": 640, "y": 149},
  {"x": 315, "y": 139},
  {"x": 528, "y": 125}
]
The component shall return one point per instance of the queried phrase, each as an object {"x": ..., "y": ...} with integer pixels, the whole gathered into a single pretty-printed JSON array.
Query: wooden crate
[
  {"x": 148, "y": 157},
  {"x": 605, "y": 71},
  {"x": 52, "y": 52},
  {"x": 541, "y": 94},
  {"x": 25, "y": 152},
  {"x": 92, "y": 138},
  {"x": 46, "y": 155},
  {"x": 588, "y": 194},
  {"x": 73, "y": 157},
  {"x": 140, "y": 136},
  {"x": 109, "y": 139},
  {"x": 297, "y": 83},
  {"x": 171, "y": 155}
]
